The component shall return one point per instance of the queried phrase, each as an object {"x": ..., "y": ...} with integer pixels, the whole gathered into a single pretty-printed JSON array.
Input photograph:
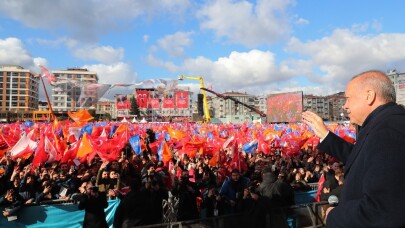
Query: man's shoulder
[{"x": 245, "y": 180}]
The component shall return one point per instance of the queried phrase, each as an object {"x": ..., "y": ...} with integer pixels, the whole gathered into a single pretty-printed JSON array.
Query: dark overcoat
[
  {"x": 373, "y": 193},
  {"x": 94, "y": 211}
]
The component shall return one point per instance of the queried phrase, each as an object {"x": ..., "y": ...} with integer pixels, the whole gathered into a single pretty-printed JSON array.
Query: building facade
[
  {"x": 317, "y": 104},
  {"x": 19, "y": 91},
  {"x": 68, "y": 91},
  {"x": 155, "y": 105},
  {"x": 398, "y": 79},
  {"x": 261, "y": 103},
  {"x": 222, "y": 108},
  {"x": 336, "y": 102},
  {"x": 106, "y": 107}
]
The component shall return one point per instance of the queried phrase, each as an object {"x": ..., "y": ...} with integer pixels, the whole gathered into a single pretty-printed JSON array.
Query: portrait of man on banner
[
  {"x": 182, "y": 99},
  {"x": 122, "y": 102},
  {"x": 142, "y": 98}
]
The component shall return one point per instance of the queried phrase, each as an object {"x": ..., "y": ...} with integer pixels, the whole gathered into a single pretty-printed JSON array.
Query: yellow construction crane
[{"x": 207, "y": 116}]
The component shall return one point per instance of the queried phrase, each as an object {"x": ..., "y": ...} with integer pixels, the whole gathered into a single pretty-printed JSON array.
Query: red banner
[
  {"x": 122, "y": 102},
  {"x": 154, "y": 103},
  {"x": 168, "y": 101},
  {"x": 182, "y": 100},
  {"x": 142, "y": 98}
]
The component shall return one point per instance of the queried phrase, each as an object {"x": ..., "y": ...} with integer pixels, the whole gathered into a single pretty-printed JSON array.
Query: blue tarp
[
  {"x": 60, "y": 215},
  {"x": 68, "y": 215},
  {"x": 305, "y": 197}
]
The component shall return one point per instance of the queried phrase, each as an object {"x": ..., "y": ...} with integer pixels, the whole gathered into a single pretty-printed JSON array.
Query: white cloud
[
  {"x": 156, "y": 62},
  {"x": 40, "y": 61},
  {"x": 174, "y": 44},
  {"x": 377, "y": 26},
  {"x": 331, "y": 61},
  {"x": 12, "y": 51},
  {"x": 115, "y": 73},
  {"x": 301, "y": 21},
  {"x": 103, "y": 54},
  {"x": 359, "y": 28},
  {"x": 85, "y": 20},
  {"x": 320, "y": 67},
  {"x": 65, "y": 41},
  {"x": 240, "y": 69},
  {"x": 146, "y": 38},
  {"x": 243, "y": 22}
]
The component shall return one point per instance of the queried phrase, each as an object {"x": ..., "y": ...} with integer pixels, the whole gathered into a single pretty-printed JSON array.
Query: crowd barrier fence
[{"x": 66, "y": 214}]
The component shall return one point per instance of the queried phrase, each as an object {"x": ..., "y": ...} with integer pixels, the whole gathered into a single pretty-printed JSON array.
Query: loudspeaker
[{"x": 200, "y": 104}]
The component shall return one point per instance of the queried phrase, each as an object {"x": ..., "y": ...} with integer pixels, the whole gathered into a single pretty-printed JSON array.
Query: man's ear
[{"x": 371, "y": 96}]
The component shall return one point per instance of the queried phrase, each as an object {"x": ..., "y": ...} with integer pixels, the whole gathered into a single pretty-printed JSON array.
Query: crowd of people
[
  {"x": 254, "y": 176},
  {"x": 142, "y": 182}
]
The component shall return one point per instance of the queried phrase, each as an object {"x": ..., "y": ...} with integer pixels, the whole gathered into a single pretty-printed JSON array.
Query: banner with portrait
[
  {"x": 122, "y": 102},
  {"x": 154, "y": 100},
  {"x": 90, "y": 94},
  {"x": 168, "y": 100},
  {"x": 142, "y": 97},
  {"x": 182, "y": 100}
]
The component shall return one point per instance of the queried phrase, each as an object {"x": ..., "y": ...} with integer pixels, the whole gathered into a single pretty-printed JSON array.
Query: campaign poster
[
  {"x": 122, "y": 102},
  {"x": 168, "y": 100},
  {"x": 182, "y": 100},
  {"x": 142, "y": 98}
]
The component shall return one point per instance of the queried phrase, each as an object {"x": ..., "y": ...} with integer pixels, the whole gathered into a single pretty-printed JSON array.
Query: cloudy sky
[{"x": 259, "y": 47}]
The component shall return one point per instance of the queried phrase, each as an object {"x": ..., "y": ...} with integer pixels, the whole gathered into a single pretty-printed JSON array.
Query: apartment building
[
  {"x": 398, "y": 79},
  {"x": 336, "y": 102},
  {"x": 106, "y": 107},
  {"x": 317, "y": 104},
  {"x": 261, "y": 103},
  {"x": 67, "y": 93},
  {"x": 19, "y": 91},
  {"x": 221, "y": 108}
]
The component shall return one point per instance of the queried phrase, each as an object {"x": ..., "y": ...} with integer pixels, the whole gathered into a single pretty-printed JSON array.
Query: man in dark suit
[{"x": 374, "y": 166}]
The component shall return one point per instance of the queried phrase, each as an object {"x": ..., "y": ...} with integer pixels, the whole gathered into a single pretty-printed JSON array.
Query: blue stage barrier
[
  {"x": 60, "y": 215},
  {"x": 68, "y": 215},
  {"x": 305, "y": 197}
]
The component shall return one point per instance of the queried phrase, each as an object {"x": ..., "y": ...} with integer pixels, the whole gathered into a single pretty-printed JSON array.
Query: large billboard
[
  {"x": 123, "y": 102},
  {"x": 142, "y": 98},
  {"x": 284, "y": 107},
  {"x": 182, "y": 100},
  {"x": 154, "y": 100},
  {"x": 168, "y": 100}
]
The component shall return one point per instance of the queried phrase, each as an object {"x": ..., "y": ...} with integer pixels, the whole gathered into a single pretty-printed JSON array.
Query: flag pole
[{"x": 47, "y": 98}]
